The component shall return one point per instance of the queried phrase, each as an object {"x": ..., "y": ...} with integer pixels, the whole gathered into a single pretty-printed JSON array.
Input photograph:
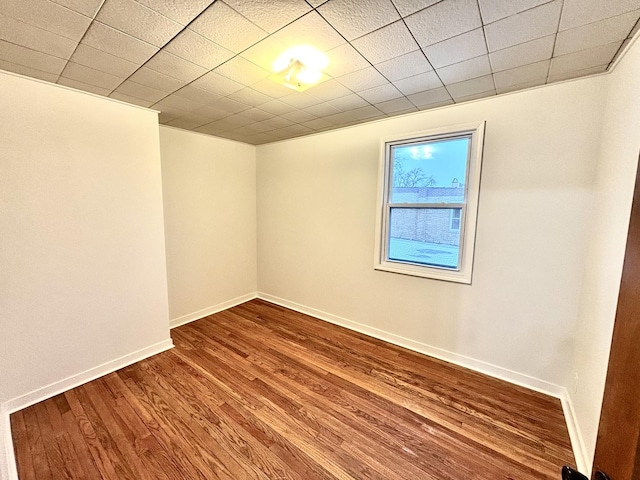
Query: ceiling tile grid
[{"x": 206, "y": 64}]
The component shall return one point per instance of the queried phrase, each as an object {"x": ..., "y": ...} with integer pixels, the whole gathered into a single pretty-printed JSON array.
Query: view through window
[
  {"x": 427, "y": 197},
  {"x": 427, "y": 211}
]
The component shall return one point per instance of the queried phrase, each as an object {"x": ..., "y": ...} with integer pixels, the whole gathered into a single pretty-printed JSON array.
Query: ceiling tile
[
  {"x": 250, "y": 97},
  {"x": 322, "y": 110},
  {"x": 270, "y": 15},
  {"x": 318, "y": 124},
  {"x": 175, "y": 103},
  {"x": 277, "y": 107},
  {"x": 265, "y": 52},
  {"x": 471, "y": 87},
  {"x": 493, "y": 10},
  {"x": 457, "y": 49},
  {"x": 103, "y": 61},
  {"x": 271, "y": 88},
  {"x": 28, "y": 71},
  {"x": 196, "y": 94},
  {"x": 85, "y": 7},
  {"x": 521, "y": 86},
  {"x": 583, "y": 59},
  {"x": 187, "y": 123},
  {"x": 48, "y": 16},
  {"x": 594, "y": 34},
  {"x": 329, "y": 90},
  {"x": 362, "y": 79},
  {"x": 299, "y": 116},
  {"x": 157, "y": 80},
  {"x": 257, "y": 127},
  {"x": 197, "y": 49},
  {"x": 88, "y": 75},
  {"x": 230, "y": 106},
  {"x": 523, "y": 54},
  {"x": 85, "y": 87},
  {"x": 175, "y": 67},
  {"x": 523, "y": 27},
  {"x": 404, "y": 66},
  {"x": 296, "y": 130},
  {"x": 458, "y": 72},
  {"x": 380, "y": 94},
  {"x": 19, "y": 33},
  {"x": 520, "y": 75},
  {"x": 242, "y": 71},
  {"x": 17, "y": 54},
  {"x": 386, "y": 43},
  {"x": 164, "y": 117},
  {"x": 396, "y": 105},
  {"x": 209, "y": 112},
  {"x": 407, "y": 7},
  {"x": 180, "y": 11},
  {"x": 354, "y": 19},
  {"x": 257, "y": 115},
  {"x": 140, "y": 91},
  {"x": 476, "y": 96},
  {"x": 576, "y": 73},
  {"x": 276, "y": 122},
  {"x": 129, "y": 99},
  {"x": 345, "y": 59},
  {"x": 444, "y": 20},
  {"x": 128, "y": 15},
  {"x": 301, "y": 99},
  {"x": 418, "y": 83},
  {"x": 312, "y": 30},
  {"x": 215, "y": 83},
  {"x": 348, "y": 102},
  {"x": 120, "y": 44},
  {"x": 581, "y": 12},
  {"x": 224, "y": 26}
]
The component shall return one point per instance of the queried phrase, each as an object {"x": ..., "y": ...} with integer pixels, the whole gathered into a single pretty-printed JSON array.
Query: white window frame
[{"x": 469, "y": 207}]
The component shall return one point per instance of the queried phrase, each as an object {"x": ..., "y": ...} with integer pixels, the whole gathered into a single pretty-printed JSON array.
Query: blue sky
[{"x": 445, "y": 160}]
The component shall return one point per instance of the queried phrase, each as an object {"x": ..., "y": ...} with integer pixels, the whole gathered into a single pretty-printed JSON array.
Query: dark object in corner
[{"x": 570, "y": 474}]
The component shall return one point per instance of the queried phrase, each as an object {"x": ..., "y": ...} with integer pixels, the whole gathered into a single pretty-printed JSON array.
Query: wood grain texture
[
  {"x": 618, "y": 444},
  {"x": 262, "y": 392}
]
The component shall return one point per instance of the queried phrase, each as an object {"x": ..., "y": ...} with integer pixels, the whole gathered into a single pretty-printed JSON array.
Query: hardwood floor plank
[
  {"x": 24, "y": 460},
  {"x": 261, "y": 392}
]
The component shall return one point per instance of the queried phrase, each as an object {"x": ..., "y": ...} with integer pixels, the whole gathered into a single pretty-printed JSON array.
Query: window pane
[
  {"x": 430, "y": 172},
  {"x": 424, "y": 236}
]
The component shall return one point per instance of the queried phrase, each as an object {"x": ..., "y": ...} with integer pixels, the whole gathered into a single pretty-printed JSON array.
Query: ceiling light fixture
[{"x": 300, "y": 67}]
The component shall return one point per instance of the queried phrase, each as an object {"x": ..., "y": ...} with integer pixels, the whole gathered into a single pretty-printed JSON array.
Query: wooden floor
[{"x": 261, "y": 392}]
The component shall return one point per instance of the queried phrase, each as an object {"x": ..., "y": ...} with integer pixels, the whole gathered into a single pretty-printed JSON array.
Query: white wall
[
  {"x": 316, "y": 214},
  {"x": 82, "y": 269},
  {"x": 605, "y": 256},
  {"x": 209, "y": 187}
]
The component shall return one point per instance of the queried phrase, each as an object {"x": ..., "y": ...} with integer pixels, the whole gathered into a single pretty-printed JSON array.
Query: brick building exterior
[{"x": 426, "y": 225}]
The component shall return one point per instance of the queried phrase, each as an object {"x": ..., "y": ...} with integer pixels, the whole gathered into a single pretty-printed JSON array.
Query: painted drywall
[
  {"x": 209, "y": 188},
  {"x": 316, "y": 222},
  {"x": 614, "y": 186},
  {"x": 83, "y": 276}
]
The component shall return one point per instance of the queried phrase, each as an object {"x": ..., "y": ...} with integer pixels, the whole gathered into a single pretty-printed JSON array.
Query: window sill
[{"x": 425, "y": 272}]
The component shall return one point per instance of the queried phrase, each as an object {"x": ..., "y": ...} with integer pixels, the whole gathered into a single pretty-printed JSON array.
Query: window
[
  {"x": 454, "y": 219},
  {"x": 428, "y": 201}
]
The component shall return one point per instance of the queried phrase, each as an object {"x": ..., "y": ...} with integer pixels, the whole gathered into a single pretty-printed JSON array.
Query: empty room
[{"x": 319, "y": 239}]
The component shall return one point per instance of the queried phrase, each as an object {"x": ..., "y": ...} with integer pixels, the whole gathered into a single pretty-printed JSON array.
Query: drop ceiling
[{"x": 205, "y": 64}]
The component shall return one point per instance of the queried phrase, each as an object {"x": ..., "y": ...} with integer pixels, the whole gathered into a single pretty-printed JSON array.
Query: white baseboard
[
  {"x": 8, "y": 468},
  {"x": 577, "y": 440},
  {"x": 489, "y": 369},
  {"x": 73, "y": 381},
  {"x": 205, "y": 312},
  {"x": 7, "y": 458}
]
